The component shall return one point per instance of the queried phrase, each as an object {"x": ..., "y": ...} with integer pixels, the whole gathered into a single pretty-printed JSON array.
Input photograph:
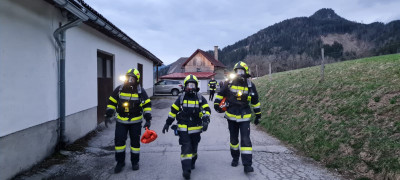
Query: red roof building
[
  {"x": 203, "y": 66},
  {"x": 212, "y": 60}
]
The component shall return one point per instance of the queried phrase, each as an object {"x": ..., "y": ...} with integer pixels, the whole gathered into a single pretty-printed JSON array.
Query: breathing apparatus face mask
[
  {"x": 190, "y": 87},
  {"x": 131, "y": 80},
  {"x": 241, "y": 73}
]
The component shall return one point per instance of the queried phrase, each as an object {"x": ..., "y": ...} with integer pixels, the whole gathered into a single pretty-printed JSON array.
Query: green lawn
[{"x": 350, "y": 122}]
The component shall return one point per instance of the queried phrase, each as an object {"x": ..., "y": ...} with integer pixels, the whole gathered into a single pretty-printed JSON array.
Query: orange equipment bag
[
  {"x": 148, "y": 136},
  {"x": 222, "y": 104}
]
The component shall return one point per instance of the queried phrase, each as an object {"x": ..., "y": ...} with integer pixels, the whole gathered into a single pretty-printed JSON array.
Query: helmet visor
[{"x": 240, "y": 71}]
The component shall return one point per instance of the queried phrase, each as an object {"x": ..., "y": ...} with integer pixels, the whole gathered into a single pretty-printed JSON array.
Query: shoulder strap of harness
[
  {"x": 120, "y": 89},
  {"x": 200, "y": 98},
  {"x": 119, "y": 92},
  {"x": 250, "y": 85},
  {"x": 249, "y": 82},
  {"x": 139, "y": 89},
  {"x": 181, "y": 98}
]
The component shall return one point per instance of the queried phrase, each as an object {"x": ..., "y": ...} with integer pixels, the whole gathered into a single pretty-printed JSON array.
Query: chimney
[{"x": 216, "y": 53}]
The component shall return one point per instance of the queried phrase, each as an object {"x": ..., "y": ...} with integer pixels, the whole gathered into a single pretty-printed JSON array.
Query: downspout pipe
[{"x": 59, "y": 36}]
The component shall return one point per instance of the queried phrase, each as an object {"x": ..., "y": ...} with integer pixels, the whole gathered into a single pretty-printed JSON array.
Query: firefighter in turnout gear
[
  {"x": 239, "y": 92},
  {"x": 193, "y": 115},
  {"x": 131, "y": 103},
  {"x": 213, "y": 86}
]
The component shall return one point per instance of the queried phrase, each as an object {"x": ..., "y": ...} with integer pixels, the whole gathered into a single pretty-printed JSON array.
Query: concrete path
[{"x": 161, "y": 158}]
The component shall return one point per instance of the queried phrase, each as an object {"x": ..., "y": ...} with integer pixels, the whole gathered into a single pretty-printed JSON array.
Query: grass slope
[{"x": 350, "y": 122}]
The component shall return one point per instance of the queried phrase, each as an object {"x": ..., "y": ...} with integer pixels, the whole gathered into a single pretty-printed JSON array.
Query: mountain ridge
[{"x": 296, "y": 43}]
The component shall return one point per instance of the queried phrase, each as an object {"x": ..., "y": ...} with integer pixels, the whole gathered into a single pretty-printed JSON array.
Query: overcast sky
[{"x": 171, "y": 29}]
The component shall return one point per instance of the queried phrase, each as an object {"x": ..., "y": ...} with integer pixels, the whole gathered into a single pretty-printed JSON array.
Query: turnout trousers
[
  {"x": 121, "y": 132},
  {"x": 245, "y": 149},
  {"x": 212, "y": 95},
  {"x": 189, "y": 144}
]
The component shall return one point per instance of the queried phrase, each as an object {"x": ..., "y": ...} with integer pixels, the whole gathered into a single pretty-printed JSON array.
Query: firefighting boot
[
  {"x": 248, "y": 169},
  {"x": 186, "y": 174},
  {"x": 135, "y": 161},
  {"x": 118, "y": 167},
  {"x": 235, "y": 162},
  {"x": 135, "y": 166}
]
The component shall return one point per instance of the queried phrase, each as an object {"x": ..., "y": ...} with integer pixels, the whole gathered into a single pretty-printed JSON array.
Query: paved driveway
[{"x": 161, "y": 158}]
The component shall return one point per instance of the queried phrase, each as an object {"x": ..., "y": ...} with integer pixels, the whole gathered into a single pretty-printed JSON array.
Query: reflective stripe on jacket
[
  {"x": 239, "y": 97},
  {"x": 129, "y": 107},
  {"x": 189, "y": 114}
]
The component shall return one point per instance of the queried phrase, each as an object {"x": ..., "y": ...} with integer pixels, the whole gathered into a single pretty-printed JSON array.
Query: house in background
[
  {"x": 202, "y": 65},
  {"x": 176, "y": 67},
  {"x": 31, "y": 107}
]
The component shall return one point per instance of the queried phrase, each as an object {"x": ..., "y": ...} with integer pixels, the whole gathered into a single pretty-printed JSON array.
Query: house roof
[
  {"x": 208, "y": 57},
  {"x": 176, "y": 67},
  {"x": 199, "y": 75},
  {"x": 113, "y": 32}
]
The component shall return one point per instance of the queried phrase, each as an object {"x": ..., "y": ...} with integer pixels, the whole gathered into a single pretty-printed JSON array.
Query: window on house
[
  {"x": 104, "y": 65},
  {"x": 198, "y": 70}
]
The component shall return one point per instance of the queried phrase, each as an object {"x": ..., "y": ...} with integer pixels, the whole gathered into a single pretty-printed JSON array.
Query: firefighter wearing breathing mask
[
  {"x": 239, "y": 93},
  {"x": 193, "y": 115},
  {"x": 131, "y": 104}
]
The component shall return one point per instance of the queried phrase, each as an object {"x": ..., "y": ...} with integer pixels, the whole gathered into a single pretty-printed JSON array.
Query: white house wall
[
  {"x": 81, "y": 66},
  {"x": 28, "y": 67},
  {"x": 29, "y": 81},
  {"x": 28, "y": 84}
]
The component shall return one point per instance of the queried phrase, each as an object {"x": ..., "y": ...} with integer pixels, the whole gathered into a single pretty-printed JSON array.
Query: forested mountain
[{"x": 296, "y": 43}]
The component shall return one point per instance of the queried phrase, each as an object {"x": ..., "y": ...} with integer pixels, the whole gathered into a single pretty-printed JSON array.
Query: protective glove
[
  {"x": 109, "y": 112},
  {"x": 217, "y": 108},
  {"x": 165, "y": 128},
  {"x": 147, "y": 116},
  {"x": 257, "y": 119},
  {"x": 205, "y": 126},
  {"x": 206, "y": 121},
  {"x": 147, "y": 124}
]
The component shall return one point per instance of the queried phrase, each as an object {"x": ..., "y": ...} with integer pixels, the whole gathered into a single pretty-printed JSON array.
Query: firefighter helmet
[
  {"x": 189, "y": 80},
  {"x": 241, "y": 65},
  {"x": 133, "y": 73}
]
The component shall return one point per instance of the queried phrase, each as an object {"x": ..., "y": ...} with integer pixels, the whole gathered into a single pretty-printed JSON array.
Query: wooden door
[{"x": 104, "y": 83}]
